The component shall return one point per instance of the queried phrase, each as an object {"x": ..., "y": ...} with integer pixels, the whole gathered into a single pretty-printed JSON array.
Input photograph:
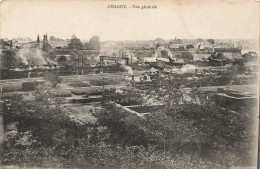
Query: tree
[
  {"x": 51, "y": 55},
  {"x": 190, "y": 46},
  {"x": 188, "y": 56},
  {"x": 159, "y": 41},
  {"x": 86, "y": 46},
  {"x": 9, "y": 58},
  {"x": 5, "y": 44},
  {"x": 52, "y": 38},
  {"x": 94, "y": 43},
  {"x": 218, "y": 59},
  {"x": 212, "y": 57},
  {"x": 220, "y": 55},
  {"x": 211, "y": 41},
  {"x": 123, "y": 130},
  {"x": 62, "y": 59},
  {"x": 75, "y": 43},
  {"x": 73, "y": 36},
  {"x": 52, "y": 78},
  {"x": 164, "y": 53},
  {"x": 237, "y": 69},
  {"x": 250, "y": 56},
  {"x": 216, "y": 129}
]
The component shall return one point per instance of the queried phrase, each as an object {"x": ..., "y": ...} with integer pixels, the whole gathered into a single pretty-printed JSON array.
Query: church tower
[
  {"x": 44, "y": 42},
  {"x": 38, "y": 42}
]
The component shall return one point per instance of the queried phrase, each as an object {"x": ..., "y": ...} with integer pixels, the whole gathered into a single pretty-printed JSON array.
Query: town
[{"x": 75, "y": 103}]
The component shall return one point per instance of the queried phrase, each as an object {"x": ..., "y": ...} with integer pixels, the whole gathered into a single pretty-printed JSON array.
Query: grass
[
  {"x": 61, "y": 93},
  {"x": 82, "y": 114}
]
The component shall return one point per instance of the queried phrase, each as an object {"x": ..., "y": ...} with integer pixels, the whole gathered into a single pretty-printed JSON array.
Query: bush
[
  {"x": 79, "y": 84},
  {"x": 79, "y": 92},
  {"x": 88, "y": 91},
  {"x": 12, "y": 88},
  {"x": 101, "y": 82},
  {"x": 62, "y": 93},
  {"x": 28, "y": 86},
  {"x": 53, "y": 78}
]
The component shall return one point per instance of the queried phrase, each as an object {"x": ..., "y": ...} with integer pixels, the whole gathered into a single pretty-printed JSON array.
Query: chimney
[{"x": 133, "y": 77}]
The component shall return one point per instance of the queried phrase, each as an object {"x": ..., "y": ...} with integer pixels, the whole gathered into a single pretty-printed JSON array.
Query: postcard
[{"x": 129, "y": 84}]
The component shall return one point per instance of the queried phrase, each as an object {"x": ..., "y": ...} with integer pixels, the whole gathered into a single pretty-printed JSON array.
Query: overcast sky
[{"x": 181, "y": 19}]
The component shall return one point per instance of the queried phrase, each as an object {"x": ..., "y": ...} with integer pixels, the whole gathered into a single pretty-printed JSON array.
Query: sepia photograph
[{"x": 120, "y": 84}]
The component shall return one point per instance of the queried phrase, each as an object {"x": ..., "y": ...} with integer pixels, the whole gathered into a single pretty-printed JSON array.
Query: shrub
[
  {"x": 62, "y": 93},
  {"x": 88, "y": 91},
  {"x": 11, "y": 88},
  {"x": 79, "y": 84},
  {"x": 53, "y": 78},
  {"x": 28, "y": 86},
  {"x": 104, "y": 81}
]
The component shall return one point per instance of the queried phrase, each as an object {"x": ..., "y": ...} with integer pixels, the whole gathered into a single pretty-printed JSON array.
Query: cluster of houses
[{"x": 19, "y": 43}]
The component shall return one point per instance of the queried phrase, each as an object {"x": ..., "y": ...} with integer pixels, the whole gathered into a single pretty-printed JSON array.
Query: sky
[{"x": 184, "y": 19}]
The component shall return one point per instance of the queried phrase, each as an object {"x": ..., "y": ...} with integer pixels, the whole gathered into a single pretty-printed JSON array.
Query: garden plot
[{"x": 81, "y": 114}]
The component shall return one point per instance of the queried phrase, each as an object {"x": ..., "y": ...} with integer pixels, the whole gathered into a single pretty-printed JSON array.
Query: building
[
  {"x": 59, "y": 43},
  {"x": 45, "y": 44},
  {"x": 229, "y": 53},
  {"x": 175, "y": 46},
  {"x": 38, "y": 42}
]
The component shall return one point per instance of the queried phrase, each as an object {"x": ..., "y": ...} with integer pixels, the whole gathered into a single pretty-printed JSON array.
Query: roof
[{"x": 230, "y": 50}]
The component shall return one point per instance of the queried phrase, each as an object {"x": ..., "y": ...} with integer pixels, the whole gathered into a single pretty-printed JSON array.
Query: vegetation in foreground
[{"x": 194, "y": 134}]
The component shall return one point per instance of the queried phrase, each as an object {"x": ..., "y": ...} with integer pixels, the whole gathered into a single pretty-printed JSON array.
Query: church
[{"x": 44, "y": 45}]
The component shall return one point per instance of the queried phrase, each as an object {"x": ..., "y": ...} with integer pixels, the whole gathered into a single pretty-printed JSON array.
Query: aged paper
[{"x": 129, "y": 84}]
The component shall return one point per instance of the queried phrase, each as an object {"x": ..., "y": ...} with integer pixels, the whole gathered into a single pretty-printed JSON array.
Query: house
[
  {"x": 175, "y": 46},
  {"x": 229, "y": 53},
  {"x": 149, "y": 59}
]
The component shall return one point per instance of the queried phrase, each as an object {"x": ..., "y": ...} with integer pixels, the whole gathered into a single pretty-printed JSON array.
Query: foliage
[
  {"x": 79, "y": 84},
  {"x": 164, "y": 53},
  {"x": 61, "y": 59},
  {"x": 104, "y": 81},
  {"x": 93, "y": 44},
  {"x": 211, "y": 41},
  {"x": 218, "y": 59},
  {"x": 159, "y": 41},
  {"x": 11, "y": 88},
  {"x": 51, "y": 55},
  {"x": 220, "y": 55},
  {"x": 28, "y": 86},
  {"x": 191, "y": 131},
  {"x": 52, "y": 38},
  {"x": 52, "y": 78},
  {"x": 8, "y": 58},
  {"x": 218, "y": 130},
  {"x": 188, "y": 56},
  {"x": 121, "y": 132},
  {"x": 75, "y": 43},
  {"x": 250, "y": 56},
  {"x": 237, "y": 69},
  {"x": 61, "y": 93},
  {"x": 4, "y": 44},
  {"x": 190, "y": 46}
]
